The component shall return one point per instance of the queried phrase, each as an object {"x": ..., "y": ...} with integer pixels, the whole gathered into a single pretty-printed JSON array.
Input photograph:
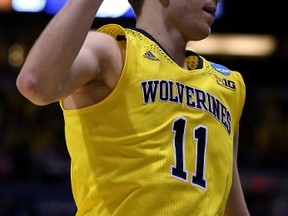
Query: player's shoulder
[
  {"x": 223, "y": 74},
  {"x": 113, "y": 30},
  {"x": 221, "y": 69}
]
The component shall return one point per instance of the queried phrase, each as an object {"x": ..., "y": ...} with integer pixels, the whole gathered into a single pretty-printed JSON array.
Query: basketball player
[{"x": 152, "y": 130}]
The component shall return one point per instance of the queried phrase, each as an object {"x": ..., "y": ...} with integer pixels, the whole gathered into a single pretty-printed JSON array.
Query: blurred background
[{"x": 250, "y": 37}]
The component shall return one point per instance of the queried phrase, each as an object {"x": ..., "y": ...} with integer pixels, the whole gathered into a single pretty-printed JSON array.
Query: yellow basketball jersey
[{"x": 161, "y": 144}]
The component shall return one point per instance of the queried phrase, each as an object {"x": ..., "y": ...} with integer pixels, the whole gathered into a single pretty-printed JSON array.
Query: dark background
[{"x": 34, "y": 164}]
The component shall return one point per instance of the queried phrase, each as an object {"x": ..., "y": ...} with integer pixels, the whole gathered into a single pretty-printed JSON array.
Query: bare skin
[
  {"x": 78, "y": 67},
  {"x": 81, "y": 67}
]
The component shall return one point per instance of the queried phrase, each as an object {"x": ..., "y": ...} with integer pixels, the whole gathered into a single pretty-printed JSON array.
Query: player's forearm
[
  {"x": 236, "y": 204},
  {"x": 56, "y": 48}
]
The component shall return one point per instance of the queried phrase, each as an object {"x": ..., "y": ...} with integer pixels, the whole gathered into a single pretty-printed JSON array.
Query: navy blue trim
[
  {"x": 151, "y": 38},
  {"x": 188, "y": 52},
  {"x": 200, "y": 60},
  {"x": 120, "y": 37}
]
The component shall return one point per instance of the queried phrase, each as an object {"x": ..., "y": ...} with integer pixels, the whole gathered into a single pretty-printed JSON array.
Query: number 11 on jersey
[{"x": 200, "y": 137}]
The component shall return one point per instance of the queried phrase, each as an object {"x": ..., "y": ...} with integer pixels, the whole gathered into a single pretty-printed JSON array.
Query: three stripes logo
[{"x": 149, "y": 55}]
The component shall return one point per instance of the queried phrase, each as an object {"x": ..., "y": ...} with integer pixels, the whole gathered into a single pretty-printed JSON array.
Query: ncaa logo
[{"x": 222, "y": 69}]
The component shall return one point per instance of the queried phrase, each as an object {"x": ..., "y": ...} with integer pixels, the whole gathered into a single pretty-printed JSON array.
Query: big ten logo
[{"x": 226, "y": 83}]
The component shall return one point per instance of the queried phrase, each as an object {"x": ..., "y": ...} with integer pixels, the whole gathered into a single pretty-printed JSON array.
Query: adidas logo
[{"x": 149, "y": 55}]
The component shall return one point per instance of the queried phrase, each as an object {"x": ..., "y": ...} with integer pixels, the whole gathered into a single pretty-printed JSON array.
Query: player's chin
[
  {"x": 206, "y": 30},
  {"x": 202, "y": 34}
]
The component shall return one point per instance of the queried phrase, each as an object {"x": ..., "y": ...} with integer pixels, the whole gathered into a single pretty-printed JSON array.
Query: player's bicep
[{"x": 91, "y": 62}]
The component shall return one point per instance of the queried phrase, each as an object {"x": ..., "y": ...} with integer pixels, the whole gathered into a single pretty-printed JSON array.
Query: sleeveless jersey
[{"x": 161, "y": 144}]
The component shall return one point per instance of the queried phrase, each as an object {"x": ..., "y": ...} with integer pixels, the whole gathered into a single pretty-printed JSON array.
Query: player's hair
[{"x": 136, "y": 5}]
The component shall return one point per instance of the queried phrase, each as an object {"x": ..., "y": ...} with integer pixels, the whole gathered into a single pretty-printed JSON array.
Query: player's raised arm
[{"x": 44, "y": 77}]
